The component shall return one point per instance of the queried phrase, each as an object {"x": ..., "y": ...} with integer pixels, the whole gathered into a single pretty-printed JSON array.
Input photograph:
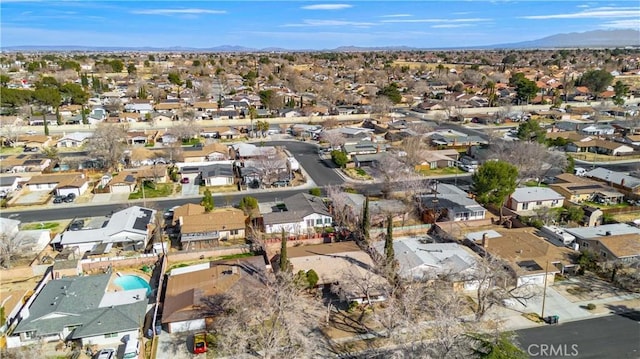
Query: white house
[
  {"x": 75, "y": 139},
  {"x": 130, "y": 227},
  {"x": 218, "y": 175},
  {"x": 9, "y": 183},
  {"x": 63, "y": 184},
  {"x": 80, "y": 308},
  {"x": 141, "y": 108},
  {"x": 300, "y": 214},
  {"x": 528, "y": 199}
]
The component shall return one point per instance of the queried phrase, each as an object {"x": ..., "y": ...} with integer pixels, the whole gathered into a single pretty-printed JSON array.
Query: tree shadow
[{"x": 624, "y": 311}]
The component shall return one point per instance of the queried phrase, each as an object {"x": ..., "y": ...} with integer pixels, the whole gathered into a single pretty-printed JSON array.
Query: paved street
[
  {"x": 321, "y": 171},
  {"x": 615, "y": 336}
]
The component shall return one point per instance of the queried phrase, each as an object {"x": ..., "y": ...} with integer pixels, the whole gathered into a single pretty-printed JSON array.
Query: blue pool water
[{"x": 129, "y": 282}]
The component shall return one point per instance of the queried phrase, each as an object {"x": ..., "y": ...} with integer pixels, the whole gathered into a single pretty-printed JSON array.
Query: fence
[
  {"x": 89, "y": 265},
  {"x": 402, "y": 230},
  {"x": 174, "y": 257}
]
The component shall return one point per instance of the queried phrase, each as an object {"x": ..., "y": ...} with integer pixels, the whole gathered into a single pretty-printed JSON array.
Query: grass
[
  {"x": 219, "y": 189},
  {"x": 237, "y": 256},
  {"x": 160, "y": 190},
  {"x": 357, "y": 173},
  {"x": 11, "y": 150},
  {"x": 534, "y": 184},
  {"x": 606, "y": 206},
  {"x": 441, "y": 171},
  {"x": 592, "y": 157},
  {"x": 43, "y": 225}
]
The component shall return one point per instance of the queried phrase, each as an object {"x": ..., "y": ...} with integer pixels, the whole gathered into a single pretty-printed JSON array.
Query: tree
[
  {"x": 596, "y": 81},
  {"x": 493, "y": 182},
  {"x": 531, "y": 131},
  {"x": 532, "y": 159},
  {"x": 9, "y": 249},
  {"x": 4, "y": 80},
  {"x": 388, "y": 242},
  {"x": 621, "y": 90},
  {"x": 248, "y": 204},
  {"x": 335, "y": 138},
  {"x": 339, "y": 158},
  {"x": 315, "y": 192},
  {"x": 107, "y": 143},
  {"x": 74, "y": 93},
  {"x": 283, "y": 261},
  {"x": 392, "y": 92},
  {"x": 131, "y": 68},
  {"x": 574, "y": 213},
  {"x": 497, "y": 347},
  {"x": 366, "y": 219},
  {"x": 207, "y": 201}
]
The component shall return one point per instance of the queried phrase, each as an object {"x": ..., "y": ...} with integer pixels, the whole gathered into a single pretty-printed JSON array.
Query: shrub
[
  {"x": 315, "y": 192},
  {"x": 352, "y": 306},
  {"x": 591, "y": 306}
]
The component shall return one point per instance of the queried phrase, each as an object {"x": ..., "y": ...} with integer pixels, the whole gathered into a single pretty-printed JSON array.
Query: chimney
[
  {"x": 607, "y": 233},
  {"x": 485, "y": 241},
  {"x": 622, "y": 182}
]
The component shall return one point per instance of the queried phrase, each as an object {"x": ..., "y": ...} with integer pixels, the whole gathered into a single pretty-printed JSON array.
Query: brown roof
[
  {"x": 34, "y": 138},
  {"x": 188, "y": 209},
  {"x": 185, "y": 292},
  {"x": 206, "y": 105},
  {"x": 218, "y": 219},
  {"x": 168, "y": 106},
  {"x": 520, "y": 245},
  {"x": 624, "y": 245},
  {"x": 569, "y": 135},
  {"x": 207, "y": 149},
  {"x": 58, "y": 178},
  {"x": 610, "y": 145}
]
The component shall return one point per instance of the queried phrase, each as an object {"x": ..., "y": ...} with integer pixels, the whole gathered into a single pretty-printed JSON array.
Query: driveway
[
  {"x": 191, "y": 188},
  {"x": 110, "y": 198},
  {"x": 175, "y": 346}
]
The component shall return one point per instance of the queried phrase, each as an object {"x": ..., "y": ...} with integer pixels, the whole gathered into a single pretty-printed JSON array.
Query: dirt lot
[{"x": 587, "y": 287}]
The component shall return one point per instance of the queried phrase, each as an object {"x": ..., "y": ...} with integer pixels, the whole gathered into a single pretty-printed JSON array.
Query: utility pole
[{"x": 544, "y": 292}]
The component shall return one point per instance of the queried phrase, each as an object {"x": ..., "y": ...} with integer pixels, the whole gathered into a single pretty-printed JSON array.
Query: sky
[{"x": 299, "y": 25}]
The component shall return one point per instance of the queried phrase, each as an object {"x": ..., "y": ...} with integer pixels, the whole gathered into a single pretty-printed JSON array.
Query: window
[
  {"x": 233, "y": 232},
  {"x": 319, "y": 222},
  {"x": 539, "y": 203},
  {"x": 309, "y": 223},
  {"x": 525, "y": 205},
  {"x": 585, "y": 244},
  {"x": 111, "y": 335},
  {"x": 327, "y": 220},
  {"x": 603, "y": 254}
]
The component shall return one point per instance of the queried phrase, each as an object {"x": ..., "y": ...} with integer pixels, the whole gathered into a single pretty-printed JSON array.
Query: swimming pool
[{"x": 129, "y": 282}]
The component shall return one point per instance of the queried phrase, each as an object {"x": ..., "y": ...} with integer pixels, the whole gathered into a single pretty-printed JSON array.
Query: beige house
[
  {"x": 210, "y": 152},
  {"x": 197, "y": 225}
]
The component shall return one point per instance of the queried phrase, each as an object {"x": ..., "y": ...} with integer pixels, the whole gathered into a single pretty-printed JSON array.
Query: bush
[
  {"x": 339, "y": 158},
  {"x": 591, "y": 306},
  {"x": 315, "y": 192},
  {"x": 352, "y": 306}
]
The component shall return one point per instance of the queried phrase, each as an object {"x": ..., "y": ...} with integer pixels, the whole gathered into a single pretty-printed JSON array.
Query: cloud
[
  {"x": 397, "y": 15},
  {"x": 310, "y": 23},
  {"x": 450, "y": 26},
  {"x": 622, "y": 24},
  {"x": 583, "y": 6},
  {"x": 326, "y": 7},
  {"x": 177, "y": 12},
  {"x": 602, "y": 12},
  {"x": 435, "y": 20}
]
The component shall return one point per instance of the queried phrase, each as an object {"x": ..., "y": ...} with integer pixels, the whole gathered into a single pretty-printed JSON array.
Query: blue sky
[{"x": 303, "y": 24}]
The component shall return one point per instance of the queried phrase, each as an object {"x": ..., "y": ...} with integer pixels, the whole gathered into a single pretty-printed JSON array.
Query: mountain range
[{"x": 588, "y": 39}]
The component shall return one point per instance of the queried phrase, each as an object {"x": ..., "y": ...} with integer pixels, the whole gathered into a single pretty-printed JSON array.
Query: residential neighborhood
[{"x": 314, "y": 204}]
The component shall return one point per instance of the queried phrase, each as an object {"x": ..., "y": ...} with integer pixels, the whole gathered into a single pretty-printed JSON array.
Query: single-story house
[
  {"x": 610, "y": 242},
  {"x": 449, "y": 203},
  {"x": 619, "y": 180},
  {"x": 130, "y": 227},
  {"x": 419, "y": 259},
  {"x": 339, "y": 265},
  {"x": 80, "y": 308},
  {"x": 525, "y": 200},
  {"x": 74, "y": 139},
  {"x": 190, "y": 290},
  {"x": 362, "y": 148},
  {"x": 9, "y": 183},
  {"x": 526, "y": 254},
  {"x": 606, "y": 147},
  {"x": 123, "y": 182},
  {"x": 437, "y": 159},
  {"x": 63, "y": 184},
  {"x": 218, "y": 175},
  {"x": 579, "y": 189},
  {"x": 22, "y": 163},
  {"x": 300, "y": 214},
  {"x": 210, "y": 152}
]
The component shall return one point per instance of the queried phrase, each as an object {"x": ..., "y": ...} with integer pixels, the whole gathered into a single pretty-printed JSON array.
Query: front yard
[
  {"x": 153, "y": 191},
  {"x": 357, "y": 174}
]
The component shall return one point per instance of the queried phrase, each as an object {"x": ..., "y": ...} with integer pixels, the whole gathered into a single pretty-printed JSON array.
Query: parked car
[
  {"x": 76, "y": 225},
  {"x": 58, "y": 199},
  {"x": 106, "y": 354},
  {"x": 184, "y": 180},
  {"x": 72, "y": 196},
  {"x": 131, "y": 349},
  {"x": 199, "y": 343},
  {"x": 67, "y": 199},
  {"x": 30, "y": 132}
]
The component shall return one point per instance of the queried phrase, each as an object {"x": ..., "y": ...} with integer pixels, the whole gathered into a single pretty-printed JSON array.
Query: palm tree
[{"x": 490, "y": 87}]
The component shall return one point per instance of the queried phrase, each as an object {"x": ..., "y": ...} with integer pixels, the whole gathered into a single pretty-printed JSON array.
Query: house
[
  {"x": 362, "y": 148},
  {"x": 218, "y": 175},
  {"x": 379, "y": 210},
  {"x": 420, "y": 258},
  {"x": 598, "y": 130},
  {"x": 299, "y": 214},
  {"x": 8, "y": 184},
  {"x": 369, "y": 160},
  {"x": 210, "y": 152},
  {"x": 24, "y": 163},
  {"x": 449, "y": 203},
  {"x": 190, "y": 290},
  {"x": 80, "y": 308},
  {"x": 528, "y": 256},
  {"x": 605, "y": 147},
  {"x": 197, "y": 225},
  {"x": 123, "y": 182},
  {"x": 610, "y": 242},
  {"x": 244, "y": 151},
  {"x": 623, "y": 182},
  {"x": 129, "y": 228},
  {"x": 525, "y": 200},
  {"x": 75, "y": 139},
  {"x": 35, "y": 141},
  {"x": 430, "y": 160},
  {"x": 455, "y": 139},
  {"x": 338, "y": 266},
  {"x": 63, "y": 184},
  {"x": 579, "y": 189}
]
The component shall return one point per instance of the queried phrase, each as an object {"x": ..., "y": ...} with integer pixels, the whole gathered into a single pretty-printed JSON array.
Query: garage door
[
  {"x": 185, "y": 326},
  {"x": 537, "y": 279}
]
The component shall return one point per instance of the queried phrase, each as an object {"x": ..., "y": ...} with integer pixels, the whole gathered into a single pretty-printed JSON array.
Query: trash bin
[{"x": 555, "y": 319}]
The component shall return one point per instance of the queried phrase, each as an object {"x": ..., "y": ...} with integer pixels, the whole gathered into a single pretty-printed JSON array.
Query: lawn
[
  {"x": 442, "y": 171},
  {"x": 11, "y": 150},
  {"x": 606, "y": 206},
  {"x": 43, "y": 225},
  {"x": 151, "y": 191},
  {"x": 357, "y": 173},
  {"x": 593, "y": 157},
  {"x": 219, "y": 189}
]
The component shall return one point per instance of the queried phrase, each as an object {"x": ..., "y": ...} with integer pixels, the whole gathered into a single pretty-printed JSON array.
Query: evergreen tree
[
  {"x": 366, "y": 223},
  {"x": 46, "y": 126},
  {"x": 207, "y": 201},
  {"x": 58, "y": 117},
  {"x": 284, "y": 261},
  {"x": 85, "y": 121},
  {"x": 388, "y": 241}
]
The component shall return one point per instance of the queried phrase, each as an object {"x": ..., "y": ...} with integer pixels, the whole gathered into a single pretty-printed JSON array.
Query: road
[
  {"x": 615, "y": 336},
  {"x": 321, "y": 171}
]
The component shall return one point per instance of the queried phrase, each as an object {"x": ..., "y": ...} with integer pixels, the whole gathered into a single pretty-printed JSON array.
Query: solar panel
[
  {"x": 588, "y": 186},
  {"x": 129, "y": 178},
  {"x": 142, "y": 221}
]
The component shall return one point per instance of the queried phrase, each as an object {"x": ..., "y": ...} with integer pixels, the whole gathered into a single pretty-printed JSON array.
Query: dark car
[
  {"x": 57, "y": 199},
  {"x": 72, "y": 196},
  {"x": 76, "y": 225},
  {"x": 68, "y": 199}
]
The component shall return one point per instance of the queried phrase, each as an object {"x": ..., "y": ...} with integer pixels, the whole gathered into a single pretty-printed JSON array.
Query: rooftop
[{"x": 603, "y": 230}]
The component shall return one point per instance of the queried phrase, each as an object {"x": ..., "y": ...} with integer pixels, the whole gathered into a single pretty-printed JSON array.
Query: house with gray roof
[
  {"x": 525, "y": 200},
  {"x": 74, "y": 139},
  {"x": 298, "y": 214},
  {"x": 449, "y": 203},
  {"x": 627, "y": 184},
  {"x": 419, "y": 258},
  {"x": 129, "y": 228},
  {"x": 80, "y": 308},
  {"x": 218, "y": 175}
]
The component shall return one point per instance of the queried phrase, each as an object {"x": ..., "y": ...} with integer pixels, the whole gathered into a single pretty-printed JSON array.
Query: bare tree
[
  {"x": 335, "y": 138},
  {"x": 392, "y": 170},
  {"x": 343, "y": 213},
  {"x": 532, "y": 159},
  {"x": 108, "y": 143},
  {"x": 185, "y": 129},
  {"x": 274, "y": 320},
  {"x": 9, "y": 249}
]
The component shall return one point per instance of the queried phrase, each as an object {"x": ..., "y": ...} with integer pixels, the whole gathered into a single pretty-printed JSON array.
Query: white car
[
  {"x": 31, "y": 132},
  {"x": 106, "y": 354}
]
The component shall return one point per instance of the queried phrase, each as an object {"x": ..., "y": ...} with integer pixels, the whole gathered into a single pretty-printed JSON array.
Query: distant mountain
[{"x": 588, "y": 39}]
